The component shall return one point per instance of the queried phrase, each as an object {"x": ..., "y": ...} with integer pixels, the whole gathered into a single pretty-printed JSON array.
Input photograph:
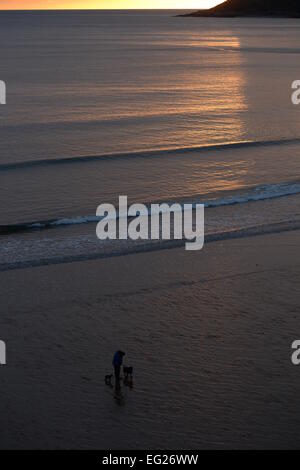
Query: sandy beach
[{"x": 209, "y": 336}]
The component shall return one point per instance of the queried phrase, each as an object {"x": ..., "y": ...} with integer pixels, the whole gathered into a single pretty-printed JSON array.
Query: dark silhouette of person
[{"x": 117, "y": 363}]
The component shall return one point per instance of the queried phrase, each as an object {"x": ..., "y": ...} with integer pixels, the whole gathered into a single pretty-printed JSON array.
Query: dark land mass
[{"x": 254, "y": 8}]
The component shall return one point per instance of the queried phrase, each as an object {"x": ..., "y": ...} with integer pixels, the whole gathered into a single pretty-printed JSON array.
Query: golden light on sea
[{"x": 105, "y": 4}]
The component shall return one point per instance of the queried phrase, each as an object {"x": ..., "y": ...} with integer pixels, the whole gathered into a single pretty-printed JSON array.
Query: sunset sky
[{"x": 106, "y": 4}]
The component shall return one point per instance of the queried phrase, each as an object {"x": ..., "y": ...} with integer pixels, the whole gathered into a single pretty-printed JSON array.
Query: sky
[{"x": 106, "y": 4}]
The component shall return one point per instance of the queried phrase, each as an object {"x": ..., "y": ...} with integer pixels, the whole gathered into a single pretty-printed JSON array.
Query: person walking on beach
[{"x": 117, "y": 362}]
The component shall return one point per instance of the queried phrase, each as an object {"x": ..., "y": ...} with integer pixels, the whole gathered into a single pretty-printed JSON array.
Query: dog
[
  {"x": 128, "y": 371},
  {"x": 107, "y": 379}
]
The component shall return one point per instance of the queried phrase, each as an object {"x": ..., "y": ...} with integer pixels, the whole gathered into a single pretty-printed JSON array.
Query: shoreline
[
  {"x": 197, "y": 14},
  {"x": 154, "y": 246}
]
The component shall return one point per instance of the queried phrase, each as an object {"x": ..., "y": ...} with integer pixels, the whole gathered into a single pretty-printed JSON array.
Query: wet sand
[{"x": 209, "y": 336}]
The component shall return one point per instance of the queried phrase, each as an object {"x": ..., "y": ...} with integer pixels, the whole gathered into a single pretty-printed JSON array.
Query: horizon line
[{"x": 98, "y": 9}]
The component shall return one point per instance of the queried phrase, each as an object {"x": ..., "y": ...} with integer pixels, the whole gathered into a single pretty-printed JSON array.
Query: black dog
[{"x": 128, "y": 371}]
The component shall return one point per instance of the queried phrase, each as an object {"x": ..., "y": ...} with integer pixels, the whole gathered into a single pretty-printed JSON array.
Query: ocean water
[{"x": 147, "y": 104}]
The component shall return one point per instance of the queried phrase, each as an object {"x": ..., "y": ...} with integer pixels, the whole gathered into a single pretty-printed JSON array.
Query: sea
[{"x": 148, "y": 104}]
